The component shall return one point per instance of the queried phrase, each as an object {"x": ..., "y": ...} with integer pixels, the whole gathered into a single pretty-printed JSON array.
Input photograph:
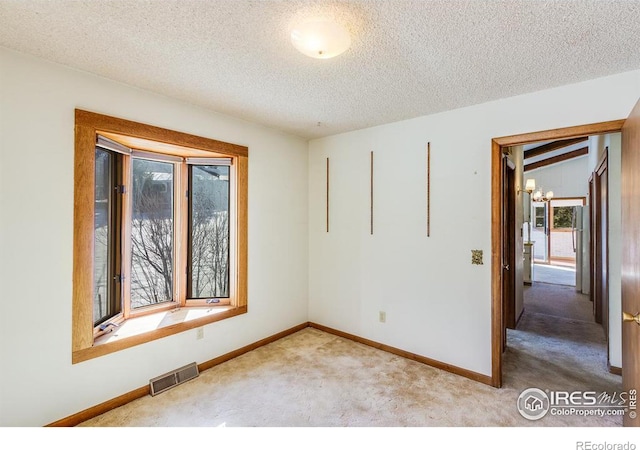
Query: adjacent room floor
[
  {"x": 554, "y": 274},
  {"x": 312, "y": 378}
]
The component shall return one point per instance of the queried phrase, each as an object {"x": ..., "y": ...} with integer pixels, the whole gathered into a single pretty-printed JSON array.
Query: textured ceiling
[{"x": 408, "y": 57}]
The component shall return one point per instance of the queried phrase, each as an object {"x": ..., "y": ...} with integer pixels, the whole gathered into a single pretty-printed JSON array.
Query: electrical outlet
[
  {"x": 382, "y": 316},
  {"x": 200, "y": 333}
]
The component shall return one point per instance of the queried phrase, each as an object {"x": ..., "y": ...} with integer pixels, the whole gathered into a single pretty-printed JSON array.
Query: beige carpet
[{"x": 312, "y": 378}]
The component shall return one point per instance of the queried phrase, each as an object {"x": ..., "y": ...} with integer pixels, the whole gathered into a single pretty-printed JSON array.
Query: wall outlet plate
[
  {"x": 382, "y": 316},
  {"x": 476, "y": 257}
]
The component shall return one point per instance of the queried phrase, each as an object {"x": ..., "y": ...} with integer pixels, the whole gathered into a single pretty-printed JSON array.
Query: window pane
[
  {"x": 152, "y": 233},
  {"x": 209, "y": 232},
  {"x": 103, "y": 291},
  {"x": 540, "y": 217},
  {"x": 562, "y": 216}
]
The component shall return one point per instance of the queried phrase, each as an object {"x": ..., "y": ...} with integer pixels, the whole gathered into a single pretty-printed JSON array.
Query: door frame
[
  {"x": 497, "y": 225},
  {"x": 549, "y": 220}
]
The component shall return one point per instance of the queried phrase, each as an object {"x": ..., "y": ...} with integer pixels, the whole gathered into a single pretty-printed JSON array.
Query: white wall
[
  {"x": 38, "y": 383},
  {"x": 565, "y": 179},
  {"x": 596, "y": 150},
  {"x": 438, "y": 305}
]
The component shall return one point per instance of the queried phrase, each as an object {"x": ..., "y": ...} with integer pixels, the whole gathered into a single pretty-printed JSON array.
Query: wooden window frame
[
  {"x": 85, "y": 338},
  {"x": 114, "y": 243}
]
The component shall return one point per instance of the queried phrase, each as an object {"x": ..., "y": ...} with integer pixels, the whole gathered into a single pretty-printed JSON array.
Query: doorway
[
  {"x": 500, "y": 223},
  {"x": 557, "y": 234}
]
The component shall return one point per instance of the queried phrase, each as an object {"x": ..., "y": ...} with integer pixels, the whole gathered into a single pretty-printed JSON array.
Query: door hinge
[
  {"x": 119, "y": 278},
  {"x": 121, "y": 189}
]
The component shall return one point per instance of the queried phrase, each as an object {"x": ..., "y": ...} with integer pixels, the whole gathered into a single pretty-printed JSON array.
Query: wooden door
[
  {"x": 631, "y": 257},
  {"x": 508, "y": 248},
  {"x": 600, "y": 242}
]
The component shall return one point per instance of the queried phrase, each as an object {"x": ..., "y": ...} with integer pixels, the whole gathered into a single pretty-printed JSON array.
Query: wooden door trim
[
  {"x": 497, "y": 146},
  {"x": 593, "y": 129}
]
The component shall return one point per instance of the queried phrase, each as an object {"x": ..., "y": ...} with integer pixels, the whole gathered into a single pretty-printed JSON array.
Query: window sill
[{"x": 148, "y": 328}]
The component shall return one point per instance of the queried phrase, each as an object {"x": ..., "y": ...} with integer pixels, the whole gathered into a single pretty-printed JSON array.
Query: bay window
[{"x": 160, "y": 226}]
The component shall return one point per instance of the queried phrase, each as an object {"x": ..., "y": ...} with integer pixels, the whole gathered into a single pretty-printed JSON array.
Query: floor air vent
[{"x": 173, "y": 378}]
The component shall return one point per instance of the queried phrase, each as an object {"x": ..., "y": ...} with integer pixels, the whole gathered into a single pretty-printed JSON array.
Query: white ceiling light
[{"x": 320, "y": 38}]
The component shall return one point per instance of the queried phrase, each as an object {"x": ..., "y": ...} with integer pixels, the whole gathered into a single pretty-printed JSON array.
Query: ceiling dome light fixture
[{"x": 320, "y": 38}]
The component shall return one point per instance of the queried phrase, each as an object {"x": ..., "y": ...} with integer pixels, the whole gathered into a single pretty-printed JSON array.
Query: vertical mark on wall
[
  {"x": 327, "y": 195},
  {"x": 371, "y": 186},
  {"x": 428, "y": 189}
]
